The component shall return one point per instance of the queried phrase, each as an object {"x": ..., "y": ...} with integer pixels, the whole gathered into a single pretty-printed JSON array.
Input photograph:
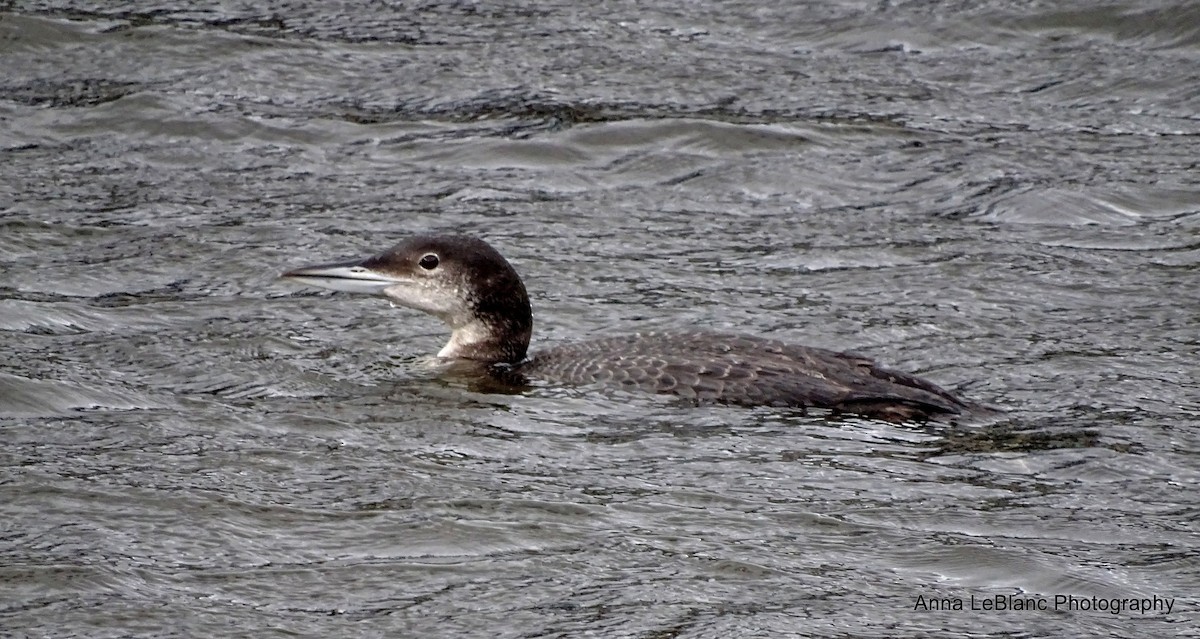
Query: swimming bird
[{"x": 467, "y": 284}]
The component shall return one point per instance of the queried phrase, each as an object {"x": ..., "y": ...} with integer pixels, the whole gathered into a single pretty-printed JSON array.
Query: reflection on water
[{"x": 999, "y": 200}]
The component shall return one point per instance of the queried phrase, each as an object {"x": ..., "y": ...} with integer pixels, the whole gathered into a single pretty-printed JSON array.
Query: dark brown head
[{"x": 460, "y": 279}]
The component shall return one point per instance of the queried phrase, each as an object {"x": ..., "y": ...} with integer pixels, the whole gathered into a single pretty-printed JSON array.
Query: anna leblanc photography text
[{"x": 1112, "y": 605}]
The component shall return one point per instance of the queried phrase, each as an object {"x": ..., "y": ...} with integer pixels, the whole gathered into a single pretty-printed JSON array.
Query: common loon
[{"x": 467, "y": 284}]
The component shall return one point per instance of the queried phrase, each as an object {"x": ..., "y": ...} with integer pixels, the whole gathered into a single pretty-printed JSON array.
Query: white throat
[{"x": 466, "y": 339}]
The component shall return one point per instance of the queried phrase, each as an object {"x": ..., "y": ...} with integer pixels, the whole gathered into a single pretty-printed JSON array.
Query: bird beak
[{"x": 351, "y": 277}]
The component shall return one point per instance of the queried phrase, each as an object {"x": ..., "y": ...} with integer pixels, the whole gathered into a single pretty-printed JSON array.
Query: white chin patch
[{"x": 444, "y": 304}]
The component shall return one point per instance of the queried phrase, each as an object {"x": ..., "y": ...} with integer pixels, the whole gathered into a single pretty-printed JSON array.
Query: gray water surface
[{"x": 1003, "y": 197}]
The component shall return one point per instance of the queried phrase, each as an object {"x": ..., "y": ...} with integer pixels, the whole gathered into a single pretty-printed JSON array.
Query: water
[{"x": 999, "y": 196}]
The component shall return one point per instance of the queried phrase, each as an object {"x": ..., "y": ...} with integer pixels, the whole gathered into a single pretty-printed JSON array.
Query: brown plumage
[{"x": 746, "y": 371}]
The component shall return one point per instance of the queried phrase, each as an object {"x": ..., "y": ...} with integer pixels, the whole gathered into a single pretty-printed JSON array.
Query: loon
[{"x": 467, "y": 284}]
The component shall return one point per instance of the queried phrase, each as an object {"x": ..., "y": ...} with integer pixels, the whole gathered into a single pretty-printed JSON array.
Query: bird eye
[{"x": 429, "y": 261}]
